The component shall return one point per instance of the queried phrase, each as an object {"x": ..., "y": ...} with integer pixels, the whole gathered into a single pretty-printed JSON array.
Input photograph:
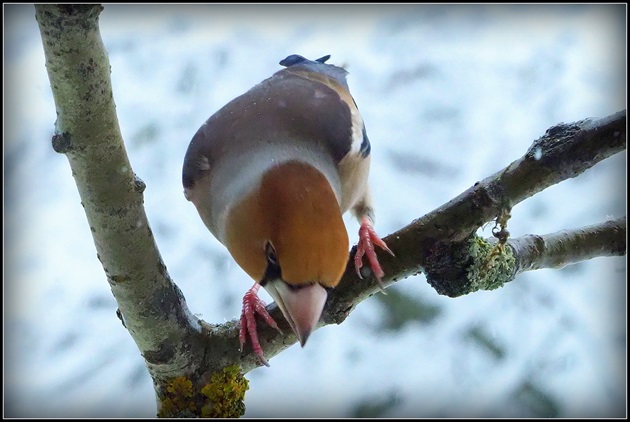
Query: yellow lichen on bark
[
  {"x": 222, "y": 397},
  {"x": 225, "y": 394}
]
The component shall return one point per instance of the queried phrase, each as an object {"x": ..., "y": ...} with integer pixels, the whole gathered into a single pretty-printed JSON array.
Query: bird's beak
[{"x": 301, "y": 306}]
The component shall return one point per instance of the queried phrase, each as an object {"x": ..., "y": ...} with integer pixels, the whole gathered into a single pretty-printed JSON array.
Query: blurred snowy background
[{"x": 449, "y": 94}]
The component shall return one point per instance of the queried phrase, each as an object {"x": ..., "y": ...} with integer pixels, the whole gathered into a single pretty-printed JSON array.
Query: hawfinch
[{"x": 271, "y": 174}]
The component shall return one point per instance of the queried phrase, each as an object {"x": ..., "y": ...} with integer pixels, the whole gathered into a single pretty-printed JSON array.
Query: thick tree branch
[
  {"x": 176, "y": 344},
  {"x": 87, "y": 132},
  {"x": 563, "y": 152}
]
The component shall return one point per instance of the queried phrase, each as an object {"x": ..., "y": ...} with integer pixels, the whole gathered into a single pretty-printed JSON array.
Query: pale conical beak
[{"x": 301, "y": 306}]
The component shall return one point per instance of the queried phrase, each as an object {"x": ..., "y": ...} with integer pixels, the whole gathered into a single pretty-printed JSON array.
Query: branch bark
[
  {"x": 87, "y": 132},
  {"x": 172, "y": 341},
  {"x": 566, "y": 247}
]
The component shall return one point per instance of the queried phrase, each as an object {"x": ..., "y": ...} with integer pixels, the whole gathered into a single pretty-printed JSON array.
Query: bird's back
[{"x": 300, "y": 113}]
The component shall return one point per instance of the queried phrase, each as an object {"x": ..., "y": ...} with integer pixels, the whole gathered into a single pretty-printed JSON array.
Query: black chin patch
[{"x": 273, "y": 272}]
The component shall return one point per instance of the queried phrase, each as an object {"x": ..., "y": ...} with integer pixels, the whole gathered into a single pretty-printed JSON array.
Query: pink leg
[
  {"x": 367, "y": 239},
  {"x": 253, "y": 305}
]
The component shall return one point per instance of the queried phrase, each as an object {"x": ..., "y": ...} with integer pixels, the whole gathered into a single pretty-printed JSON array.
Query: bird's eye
[{"x": 270, "y": 251}]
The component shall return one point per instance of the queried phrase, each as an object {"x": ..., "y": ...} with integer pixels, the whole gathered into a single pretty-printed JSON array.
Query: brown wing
[{"x": 291, "y": 104}]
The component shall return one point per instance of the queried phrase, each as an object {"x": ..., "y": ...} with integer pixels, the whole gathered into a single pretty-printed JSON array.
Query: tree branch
[
  {"x": 564, "y": 151},
  {"x": 87, "y": 132},
  {"x": 173, "y": 342},
  {"x": 442, "y": 244},
  {"x": 566, "y": 247}
]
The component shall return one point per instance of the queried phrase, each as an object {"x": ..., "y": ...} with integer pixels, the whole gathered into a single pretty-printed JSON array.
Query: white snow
[{"x": 449, "y": 95}]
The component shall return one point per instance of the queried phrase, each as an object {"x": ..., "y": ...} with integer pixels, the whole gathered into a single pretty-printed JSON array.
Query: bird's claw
[
  {"x": 253, "y": 305},
  {"x": 367, "y": 239}
]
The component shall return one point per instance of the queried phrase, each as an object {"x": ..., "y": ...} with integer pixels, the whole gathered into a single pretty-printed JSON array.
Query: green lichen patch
[{"x": 492, "y": 265}]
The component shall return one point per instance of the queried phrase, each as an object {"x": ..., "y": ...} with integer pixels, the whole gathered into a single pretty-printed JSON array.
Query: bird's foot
[
  {"x": 253, "y": 305},
  {"x": 367, "y": 239}
]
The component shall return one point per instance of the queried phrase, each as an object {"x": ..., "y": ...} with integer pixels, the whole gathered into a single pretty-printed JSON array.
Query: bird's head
[{"x": 288, "y": 234}]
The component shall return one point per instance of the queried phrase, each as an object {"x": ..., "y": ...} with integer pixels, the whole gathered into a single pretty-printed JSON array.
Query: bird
[{"x": 271, "y": 174}]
